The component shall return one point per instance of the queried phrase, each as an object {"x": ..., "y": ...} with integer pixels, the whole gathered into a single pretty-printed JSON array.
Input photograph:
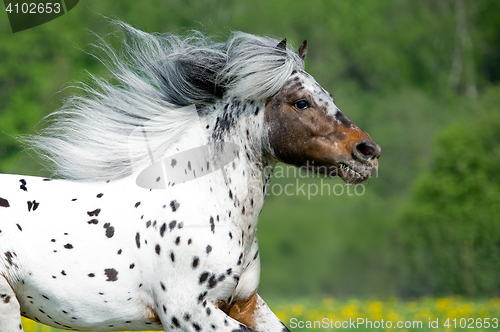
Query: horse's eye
[{"x": 302, "y": 104}]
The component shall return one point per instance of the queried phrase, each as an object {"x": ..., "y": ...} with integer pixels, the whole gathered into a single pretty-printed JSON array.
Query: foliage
[{"x": 452, "y": 227}]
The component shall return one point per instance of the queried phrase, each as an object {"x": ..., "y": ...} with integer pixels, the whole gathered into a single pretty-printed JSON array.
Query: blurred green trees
[
  {"x": 451, "y": 230},
  {"x": 401, "y": 70}
]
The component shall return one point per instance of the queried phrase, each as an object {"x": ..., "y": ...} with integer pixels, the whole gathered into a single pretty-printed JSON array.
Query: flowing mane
[{"x": 156, "y": 76}]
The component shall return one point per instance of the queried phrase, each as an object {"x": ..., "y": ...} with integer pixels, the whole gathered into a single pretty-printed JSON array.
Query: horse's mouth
[{"x": 353, "y": 174}]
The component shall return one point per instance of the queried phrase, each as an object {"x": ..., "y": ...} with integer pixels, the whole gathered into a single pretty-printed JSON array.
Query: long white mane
[{"x": 156, "y": 75}]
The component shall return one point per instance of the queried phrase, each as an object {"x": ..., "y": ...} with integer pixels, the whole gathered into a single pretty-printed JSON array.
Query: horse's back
[
  {"x": 50, "y": 224},
  {"x": 15, "y": 205},
  {"x": 56, "y": 234}
]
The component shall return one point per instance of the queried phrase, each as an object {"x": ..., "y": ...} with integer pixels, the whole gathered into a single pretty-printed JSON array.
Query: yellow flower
[
  {"x": 282, "y": 316},
  {"x": 452, "y": 314},
  {"x": 349, "y": 311},
  {"x": 28, "y": 324},
  {"x": 394, "y": 317},
  {"x": 464, "y": 310},
  {"x": 315, "y": 315},
  {"x": 332, "y": 317},
  {"x": 298, "y": 309},
  {"x": 443, "y": 304},
  {"x": 375, "y": 310}
]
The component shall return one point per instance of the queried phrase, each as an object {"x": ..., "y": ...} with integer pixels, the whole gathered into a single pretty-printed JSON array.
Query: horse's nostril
[
  {"x": 367, "y": 150},
  {"x": 364, "y": 149}
]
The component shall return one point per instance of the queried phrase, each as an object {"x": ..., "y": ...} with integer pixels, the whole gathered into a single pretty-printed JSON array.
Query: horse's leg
[
  {"x": 255, "y": 313},
  {"x": 10, "y": 315},
  {"x": 204, "y": 316}
]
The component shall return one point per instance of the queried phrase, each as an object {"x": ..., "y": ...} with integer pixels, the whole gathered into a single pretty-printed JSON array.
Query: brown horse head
[{"x": 306, "y": 129}]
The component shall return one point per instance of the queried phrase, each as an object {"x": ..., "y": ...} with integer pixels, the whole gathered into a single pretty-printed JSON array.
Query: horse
[{"x": 150, "y": 219}]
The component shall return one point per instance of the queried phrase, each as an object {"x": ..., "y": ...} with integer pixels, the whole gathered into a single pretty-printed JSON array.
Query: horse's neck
[
  {"x": 239, "y": 184},
  {"x": 243, "y": 125}
]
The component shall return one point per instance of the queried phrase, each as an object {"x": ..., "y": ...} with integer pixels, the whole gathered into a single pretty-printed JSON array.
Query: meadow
[{"x": 448, "y": 314}]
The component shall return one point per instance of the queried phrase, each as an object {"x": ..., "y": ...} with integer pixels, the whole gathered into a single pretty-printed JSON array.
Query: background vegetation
[{"x": 422, "y": 77}]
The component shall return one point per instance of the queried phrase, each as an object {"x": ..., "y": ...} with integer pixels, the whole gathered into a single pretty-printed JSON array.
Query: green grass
[
  {"x": 330, "y": 313},
  {"x": 378, "y": 315}
]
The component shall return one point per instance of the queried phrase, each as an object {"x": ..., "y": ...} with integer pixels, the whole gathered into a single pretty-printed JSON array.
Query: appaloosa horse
[{"x": 101, "y": 250}]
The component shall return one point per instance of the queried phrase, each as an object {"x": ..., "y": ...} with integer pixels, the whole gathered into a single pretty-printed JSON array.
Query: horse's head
[{"x": 306, "y": 129}]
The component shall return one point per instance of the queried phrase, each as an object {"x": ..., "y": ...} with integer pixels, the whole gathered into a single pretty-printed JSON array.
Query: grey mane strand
[{"x": 155, "y": 76}]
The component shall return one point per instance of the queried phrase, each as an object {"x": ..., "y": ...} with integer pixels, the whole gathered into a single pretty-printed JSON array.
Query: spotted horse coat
[{"x": 110, "y": 255}]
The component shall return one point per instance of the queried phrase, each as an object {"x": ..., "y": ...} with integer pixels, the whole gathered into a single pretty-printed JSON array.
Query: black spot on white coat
[
  {"x": 4, "y": 202},
  {"x": 212, "y": 224},
  {"x": 23, "y": 185},
  {"x": 112, "y": 274},
  {"x": 174, "y": 205},
  {"x": 138, "y": 240},
  {"x": 203, "y": 277},
  {"x": 110, "y": 230},
  {"x": 94, "y": 213},
  {"x": 172, "y": 224},
  {"x": 32, "y": 205},
  {"x": 163, "y": 229},
  {"x": 195, "y": 263}
]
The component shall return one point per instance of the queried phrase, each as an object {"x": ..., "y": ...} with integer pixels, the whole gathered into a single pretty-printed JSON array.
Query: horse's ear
[
  {"x": 282, "y": 45},
  {"x": 302, "y": 51}
]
